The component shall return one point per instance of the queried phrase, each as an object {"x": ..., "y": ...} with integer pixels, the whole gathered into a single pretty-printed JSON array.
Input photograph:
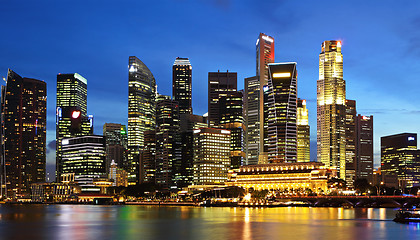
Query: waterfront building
[
  {"x": 351, "y": 143},
  {"x": 141, "y": 112},
  {"x": 148, "y": 158},
  {"x": 71, "y": 113},
  {"x": 282, "y": 107},
  {"x": 84, "y": 157},
  {"x": 54, "y": 192},
  {"x": 364, "y": 147},
  {"x": 331, "y": 108},
  {"x": 400, "y": 160},
  {"x": 118, "y": 175},
  {"x": 188, "y": 123},
  {"x": 252, "y": 119},
  {"x": 168, "y": 143},
  {"x": 211, "y": 156},
  {"x": 231, "y": 118},
  {"x": 23, "y": 132},
  {"x": 265, "y": 55},
  {"x": 221, "y": 84},
  {"x": 298, "y": 176},
  {"x": 303, "y": 132},
  {"x": 182, "y": 84},
  {"x": 116, "y": 144}
]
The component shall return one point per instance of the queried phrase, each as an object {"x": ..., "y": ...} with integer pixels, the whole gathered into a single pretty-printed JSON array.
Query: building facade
[
  {"x": 252, "y": 119},
  {"x": 364, "y": 147},
  {"x": 182, "y": 84},
  {"x": 303, "y": 132},
  {"x": 282, "y": 112},
  {"x": 331, "y": 108},
  {"x": 351, "y": 143},
  {"x": 23, "y": 132},
  {"x": 221, "y": 84},
  {"x": 116, "y": 144},
  {"x": 141, "y": 112}
]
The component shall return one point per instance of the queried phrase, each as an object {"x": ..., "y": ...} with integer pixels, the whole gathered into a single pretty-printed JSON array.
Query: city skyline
[{"x": 369, "y": 61}]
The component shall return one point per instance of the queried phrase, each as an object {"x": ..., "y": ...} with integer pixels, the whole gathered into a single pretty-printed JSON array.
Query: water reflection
[{"x": 150, "y": 222}]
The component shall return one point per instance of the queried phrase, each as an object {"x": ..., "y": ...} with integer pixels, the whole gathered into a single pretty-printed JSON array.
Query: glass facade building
[
  {"x": 252, "y": 119},
  {"x": 303, "y": 132},
  {"x": 182, "y": 84}
]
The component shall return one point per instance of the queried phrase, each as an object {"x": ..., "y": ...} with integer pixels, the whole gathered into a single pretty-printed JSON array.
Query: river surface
[{"x": 152, "y": 222}]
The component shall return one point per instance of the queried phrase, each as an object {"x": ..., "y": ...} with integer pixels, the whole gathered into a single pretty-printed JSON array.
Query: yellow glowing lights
[
  {"x": 338, "y": 43},
  {"x": 282, "y": 75}
]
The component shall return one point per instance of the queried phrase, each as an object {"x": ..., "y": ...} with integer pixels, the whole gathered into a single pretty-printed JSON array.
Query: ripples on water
[{"x": 149, "y": 222}]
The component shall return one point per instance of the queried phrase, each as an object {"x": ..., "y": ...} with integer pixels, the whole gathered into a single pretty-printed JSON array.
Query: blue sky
[{"x": 95, "y": 38}]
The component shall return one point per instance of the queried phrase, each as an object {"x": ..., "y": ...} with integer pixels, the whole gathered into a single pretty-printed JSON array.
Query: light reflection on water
[{"x": 149, "y": 222}]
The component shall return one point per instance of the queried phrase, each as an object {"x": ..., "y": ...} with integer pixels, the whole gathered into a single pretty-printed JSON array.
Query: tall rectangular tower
[
  {"x": 182, "y": 84},
  {"x": 331, "y": 108},
  {"x": 303, "y": 132},
  {"x": 364, "y": 147},
  {"x": 116, "y": 144},
  {"x": 71, "y": 112},
  {"x": 265, "y": 55},
  {"x": 221, "y": 84},
  {"x": 252, "y": 119},
  {"x": 23, "y": 109},
  {"x": 351, "y": 142},
  {"x": 282, "y": 107},
  {"x": 141, "y": 112}
]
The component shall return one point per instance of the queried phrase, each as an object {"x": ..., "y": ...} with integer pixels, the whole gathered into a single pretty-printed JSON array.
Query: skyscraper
[
  {"x": 364, "y": 147},
  {"x": 303, "y": 132},
  {"x": 265, "y": 55},
  {"x": 141, "y": 112},
  {"x": 182, "y": 84},
  {"x": 116, "y": 144},
  {"x": 400, "y": 160},
  {"x": 252, "y": 119},
  {"x": 351, "y": 143},
  {"x": 331, "y": 108},
  {"x": 282, "y": 108},
  {"x": 221, "y": 84},
  {"x": 23, "y": 114},
  {"x": 71, "y": 112},
  {"x": 147, "y": 169}
]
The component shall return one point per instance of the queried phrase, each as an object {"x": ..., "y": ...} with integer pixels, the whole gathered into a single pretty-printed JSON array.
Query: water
[{"x": 149, "y": 222}]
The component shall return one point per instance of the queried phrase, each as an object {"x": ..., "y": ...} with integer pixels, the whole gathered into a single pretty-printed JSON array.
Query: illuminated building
[
  {"x": 252, "y": 119},
  {"x": 141, "y": 112},
  {"x": 168, "y": 142},
  {"x": 188, "y": 123},
  {"x": 282, "y": 176},
  {"x": 265, "y": 55},
  {"x": 23, "y": 114},
  {"x": 364, "y": 147},
  {"x": 148, "y": 158},
  {"x": 211, "y": 156},
  {"x": 71, "y": 113},
  {"x": 116, "y": 144},
  {"x": 331, "y": 108},
  {"x": 117, "y": 174},
  {"x": 232, "y": 119},
  {"x": 400, "y": 160},
  {"x": 182, "y": 84},
  {"x": 303, "y": 132},
  {"x": 282, "y": 106},
  {"x": 84, "y": 157},
  {"x": 221, "y": 84},
  {"x": 351, "y": 143}
]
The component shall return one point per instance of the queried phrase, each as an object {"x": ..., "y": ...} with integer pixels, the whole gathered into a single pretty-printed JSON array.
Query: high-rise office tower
[
  {"x": 148, "y": 158},
  {"x": 252, "y": 119},
  {"x": 182, "y": 84},
  {"x": 188, "y": 123},
  {"x": 23, "y": 131},
  {"x": 141, "y": 112},
  {"x": 168, "y": 142},
  {"x": 351, "y": 142},
  {"x": 116, "y": 144},
  {"x": 364, "y": 147},
  {"x": 211, "y": 156},
  {"x": 265, "y": 55},
  {"x": 331, "y": 108},
  {"x": 84, "y": 157},
  {"x": 282, "y": 108},
  {"x": 221, "y": 84},
  {"x": 231, "y": 118},
  {"x": 71, "y": 112},
  {"x": 400, "y": 160},
  {"x": 303, "y": 132}
]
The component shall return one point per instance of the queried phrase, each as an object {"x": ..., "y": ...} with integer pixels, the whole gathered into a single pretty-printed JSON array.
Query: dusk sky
[{"x": 380, "y": 40}]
